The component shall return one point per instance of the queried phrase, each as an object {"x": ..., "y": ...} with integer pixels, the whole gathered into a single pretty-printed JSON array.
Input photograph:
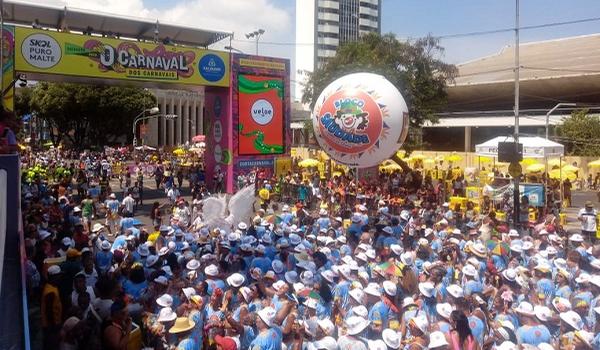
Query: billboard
[
  {"x": 261, "y": 118},
  {"x": 8, "y": 65},
  {"x": 46, "y": 52}
]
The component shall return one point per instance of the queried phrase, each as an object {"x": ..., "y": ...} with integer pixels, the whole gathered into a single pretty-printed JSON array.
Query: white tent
[
  {"x": 533, "y": 147},
  {"x": 145, "y": 148}
]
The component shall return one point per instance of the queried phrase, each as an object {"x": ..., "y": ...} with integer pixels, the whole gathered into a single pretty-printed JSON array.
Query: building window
[{"x": 369, "y": 5}]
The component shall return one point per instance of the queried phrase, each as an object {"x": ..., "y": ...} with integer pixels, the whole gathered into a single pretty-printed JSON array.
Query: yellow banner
[
  {"x": 42, "y": 51},
  {"x": 262, "y": 64}
]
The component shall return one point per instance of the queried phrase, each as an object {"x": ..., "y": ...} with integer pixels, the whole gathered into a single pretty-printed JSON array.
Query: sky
[{"x": 405, "y": 18}]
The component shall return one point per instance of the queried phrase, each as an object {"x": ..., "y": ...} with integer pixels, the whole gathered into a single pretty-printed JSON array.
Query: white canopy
[
  {"x": 145, "y": 148},
  {"x": 533, "y": 147}
]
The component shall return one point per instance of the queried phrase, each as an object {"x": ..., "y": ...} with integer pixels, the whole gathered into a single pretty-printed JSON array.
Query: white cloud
[{"x": 237, "y": 16}]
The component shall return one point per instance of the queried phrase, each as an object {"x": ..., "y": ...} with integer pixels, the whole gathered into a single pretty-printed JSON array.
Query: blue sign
[
  {"x": 534, "y": 192},
  {"x": 256, "y": 163},
  {"x": 211, "y": 67}
]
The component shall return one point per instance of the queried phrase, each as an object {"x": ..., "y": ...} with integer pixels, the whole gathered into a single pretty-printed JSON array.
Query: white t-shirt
[
  {"x": 129, "y": 203},
  {"x": 588, "y": 222}
]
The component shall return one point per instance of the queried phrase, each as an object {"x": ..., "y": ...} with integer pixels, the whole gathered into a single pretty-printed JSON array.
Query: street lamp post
[
  {"x": 231, "y": 48},
  {"x": 151, "y": 111},
  {"x": 561, "y": 104},
  {"x": 255, "y": 34}
]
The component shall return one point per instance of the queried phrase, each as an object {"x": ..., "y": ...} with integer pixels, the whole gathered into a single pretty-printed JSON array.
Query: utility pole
[{"x": 516, "y": 194}]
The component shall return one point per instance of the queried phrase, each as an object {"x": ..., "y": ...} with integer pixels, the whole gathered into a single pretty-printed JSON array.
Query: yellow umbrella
[
  {"x": 553, "y": 162},
  {"x": 391, "y": 167},
  {"x": 308, "y": 162},
  {"x": 418, "y": 156},
  {"x": 570, "y": 168},
  {"x": 529, "y": 161},
  {"x": 453, "y": 157},
  {"x": 534, "y": 168},
  {"x": 485, "y": 159},
  {"x": 178, "y": 151},
  {"x": 428, "y": 161},
  {"x": 555, "y": 174},
  {"x": 594, "y": 164}
]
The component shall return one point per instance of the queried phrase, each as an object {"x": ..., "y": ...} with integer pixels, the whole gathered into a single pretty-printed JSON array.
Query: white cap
[
  {"x": 355, "y": 325},
  {"x": 391, "y": 338},
  {"x": 455, "y": 290},
  {"x": 444, "y": 309},
  {"x": 437, "y": 339},
  {"x": 361, "y": 311},
  {"x": 357, "y": 294},
  {"x": 162, "y": 280},
  {"x": 236, "y": 280},
  {"x": 390, "y": 288},
  {"x": 373, "y": 289},
  {"x": 267, "y": 315},
  {"x": 166, "y": 314},
  {"x": 165, "y": 300},
  {"x": 427, "y": 289},
  {"x": 576, "y": 238},
  {"x": 572, "y": 319},
  {"x": 211, "y": 270},
  {"x": 54, "y": 270}
]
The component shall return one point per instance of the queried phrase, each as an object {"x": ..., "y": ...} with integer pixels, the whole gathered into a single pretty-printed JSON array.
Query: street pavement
[{"x": 151, "y": 194}]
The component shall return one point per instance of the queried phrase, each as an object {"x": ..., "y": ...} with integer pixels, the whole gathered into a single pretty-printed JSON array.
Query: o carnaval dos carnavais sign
[{"x": 40, "y": 51}]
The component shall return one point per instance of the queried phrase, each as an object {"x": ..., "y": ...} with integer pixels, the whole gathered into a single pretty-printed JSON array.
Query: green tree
[
  {"x": 89, "y": 115},
  {"x": 23, "y": 101},
  {"x": 580, "y": 133},
  {"x": 414, "y": 67}
]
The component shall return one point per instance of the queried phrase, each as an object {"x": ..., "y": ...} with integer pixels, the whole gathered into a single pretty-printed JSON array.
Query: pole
[
  {"x": 2, "y": 50},
  {"x": 516, "y": 194},
  {"x": 257, "y": 45}
]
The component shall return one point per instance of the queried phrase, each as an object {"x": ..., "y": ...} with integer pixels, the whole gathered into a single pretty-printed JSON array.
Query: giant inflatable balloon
[{"x": 360, "y": 120}]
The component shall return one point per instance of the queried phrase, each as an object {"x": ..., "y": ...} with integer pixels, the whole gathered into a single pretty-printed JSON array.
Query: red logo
[{"x": 350, "y": 121}]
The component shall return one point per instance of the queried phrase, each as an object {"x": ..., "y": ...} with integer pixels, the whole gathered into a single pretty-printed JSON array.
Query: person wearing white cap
[
  {"x": 269, "y": 334},
  {"x": 531, "y": 332},
  {"x": 383, "y": 310},
  {"x": 472, "y": 285},
  {"x": 418, "y": 327},
  {"x": 212, "y": 280},
  {"x": 437, "y": 341},
  {"x": 355, "y": 326}
]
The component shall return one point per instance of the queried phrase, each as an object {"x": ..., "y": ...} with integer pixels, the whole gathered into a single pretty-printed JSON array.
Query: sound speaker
[{"x": 508, "y": 152}]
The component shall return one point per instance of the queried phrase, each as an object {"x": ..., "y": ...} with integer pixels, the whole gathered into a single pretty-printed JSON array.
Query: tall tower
[{"x": 323, "y": 25}]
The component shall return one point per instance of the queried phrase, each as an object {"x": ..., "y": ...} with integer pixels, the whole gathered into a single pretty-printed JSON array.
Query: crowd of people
[{"x": 333, "y": 264}]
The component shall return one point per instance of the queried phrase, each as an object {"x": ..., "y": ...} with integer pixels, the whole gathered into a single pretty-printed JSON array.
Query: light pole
[
  {"x": 231, "y": 48},
  {"x": 151, "y": 111},
  {"x": 561, "y": 104},
  {"x": 255, "y": 34}
]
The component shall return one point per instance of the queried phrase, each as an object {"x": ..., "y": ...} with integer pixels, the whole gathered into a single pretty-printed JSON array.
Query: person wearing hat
[
  {"x": 79, "y": 287},
  {"x": 212, "y": 280},
  {"x": 471, "y": 284},
  {"x": 355, "y": 328},
  {"x": 545, "y": 287},
  {"x": 182, "y": 329},
  {"x": 531, "y": 331},
  {"x": 51, "y": 308},
  {"x": 588, "y": 216},
  {"x": 563, "y": 284},
  {"x": 269, "y": 334},
  {"x": 417, "y": 332}
]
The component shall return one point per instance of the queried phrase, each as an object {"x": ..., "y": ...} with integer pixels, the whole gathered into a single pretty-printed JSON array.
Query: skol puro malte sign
[{"x": 47, "y": 52}]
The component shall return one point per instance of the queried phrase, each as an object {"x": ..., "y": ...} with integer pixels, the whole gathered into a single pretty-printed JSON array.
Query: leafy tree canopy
[
  {"x": 580, "y": 133},
  {"x": 89, "y": 115},
  {"x": 414, "y": 67}
]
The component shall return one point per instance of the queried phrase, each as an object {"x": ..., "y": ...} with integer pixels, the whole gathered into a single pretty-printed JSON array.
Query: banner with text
[{"x": 46, "y": 52}]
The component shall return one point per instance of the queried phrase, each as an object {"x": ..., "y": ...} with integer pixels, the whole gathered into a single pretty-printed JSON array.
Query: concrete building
[
  {"x": 323, "y": 25},
  {"x": 481, "y": 98},
  {"x": 188, "y": 106}
]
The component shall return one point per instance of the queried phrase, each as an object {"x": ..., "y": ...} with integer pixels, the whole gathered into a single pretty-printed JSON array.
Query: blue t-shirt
[
  {"x": 270, "y": 339},
  {"x": 533, "y": 335}
]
